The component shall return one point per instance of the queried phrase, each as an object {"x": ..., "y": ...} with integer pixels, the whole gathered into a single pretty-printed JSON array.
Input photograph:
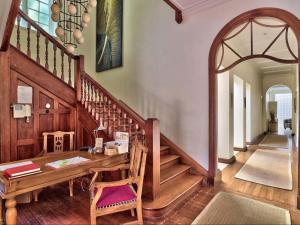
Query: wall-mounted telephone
[{"x": 21, "y": 111}]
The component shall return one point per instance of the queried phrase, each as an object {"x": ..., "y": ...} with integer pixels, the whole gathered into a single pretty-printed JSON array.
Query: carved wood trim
[{"x": 14, "y": 8}]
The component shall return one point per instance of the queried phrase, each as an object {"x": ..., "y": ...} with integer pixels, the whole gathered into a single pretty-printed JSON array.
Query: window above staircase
[{"x": 39, "y": 12}]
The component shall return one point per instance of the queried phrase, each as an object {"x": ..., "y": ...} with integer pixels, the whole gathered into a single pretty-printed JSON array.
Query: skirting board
[
  {"x": 241, "y": 149},
  {"x": 257, "y": 139},
  {"x": 227, "y": 161}
]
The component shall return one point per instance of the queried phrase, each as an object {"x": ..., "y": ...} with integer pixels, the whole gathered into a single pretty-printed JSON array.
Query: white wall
[
  {"x": 248, "y": 73},
  {"x": 239, "y": 113},
  {"x": 225, "y": 116},
  {"x": 248, "y": 113},
  {"x": 165, "y": 72},
  {"x": 4, "y": 11}
]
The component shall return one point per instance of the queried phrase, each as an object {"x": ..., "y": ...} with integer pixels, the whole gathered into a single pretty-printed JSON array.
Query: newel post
[
  {"x": 79, "y": 68},
  {"x": 152, "y": 176}
]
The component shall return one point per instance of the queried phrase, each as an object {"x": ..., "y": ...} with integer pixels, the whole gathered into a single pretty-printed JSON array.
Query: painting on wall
[{"x": 109, "y": 34}]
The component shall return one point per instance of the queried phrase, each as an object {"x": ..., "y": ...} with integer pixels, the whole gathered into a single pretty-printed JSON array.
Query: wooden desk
[{"x": 9, "y": 189}]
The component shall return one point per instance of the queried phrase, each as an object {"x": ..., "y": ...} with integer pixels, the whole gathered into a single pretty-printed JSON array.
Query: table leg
[{"x": 11, "y": 212}]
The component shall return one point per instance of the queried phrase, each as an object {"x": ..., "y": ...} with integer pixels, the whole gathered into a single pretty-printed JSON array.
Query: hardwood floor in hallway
[{"x": 55, "y": 206}]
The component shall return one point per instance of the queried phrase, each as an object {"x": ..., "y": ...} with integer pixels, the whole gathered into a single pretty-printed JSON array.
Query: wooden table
[{"x": 9, "y": 189}]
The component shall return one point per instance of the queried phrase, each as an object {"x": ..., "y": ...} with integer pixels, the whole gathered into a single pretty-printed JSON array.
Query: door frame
[{"x": 281, "y": 14}]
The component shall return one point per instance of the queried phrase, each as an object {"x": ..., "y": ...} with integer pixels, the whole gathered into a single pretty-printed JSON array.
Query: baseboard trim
[
  {"x": 241, "y": 149},
  {"x": 227, "y": 161},
  {"x": 257, "y": 139}
]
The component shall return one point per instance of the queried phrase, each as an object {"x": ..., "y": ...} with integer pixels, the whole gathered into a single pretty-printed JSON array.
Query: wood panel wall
[{"x": 22, "y": 140}]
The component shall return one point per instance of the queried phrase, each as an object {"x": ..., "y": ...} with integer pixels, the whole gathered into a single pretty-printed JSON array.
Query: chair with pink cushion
[{"x": 117, "y": 196}]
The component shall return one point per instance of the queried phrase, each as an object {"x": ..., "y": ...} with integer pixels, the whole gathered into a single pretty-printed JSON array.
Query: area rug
[
  {"x": 227, "y": 208},
  {"x": 268, "y": 167},
  {"x": 276, "y": 141}
]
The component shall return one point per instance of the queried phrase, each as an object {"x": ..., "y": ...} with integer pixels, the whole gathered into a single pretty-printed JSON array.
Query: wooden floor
[{"x": 56, "y": 207}]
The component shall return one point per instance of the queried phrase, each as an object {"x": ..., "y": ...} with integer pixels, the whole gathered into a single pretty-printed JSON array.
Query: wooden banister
[
  {"x": 48, "y": 52},
  {"x": 178, "y": 12},
  {"x": 117, "y": 116},
  {"x": 45, "y": 34},
  {"x": 9, "y": 24}
]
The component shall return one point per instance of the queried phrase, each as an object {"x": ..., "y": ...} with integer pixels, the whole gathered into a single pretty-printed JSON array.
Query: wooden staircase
[
  {"x": 178, "y": 181},
  {"x": 171, "y": 174}
]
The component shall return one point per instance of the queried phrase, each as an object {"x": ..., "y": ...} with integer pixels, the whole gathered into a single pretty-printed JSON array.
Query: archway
[
  {"x": 279, "y": 109},
  {"x": 248, "y": 18}
]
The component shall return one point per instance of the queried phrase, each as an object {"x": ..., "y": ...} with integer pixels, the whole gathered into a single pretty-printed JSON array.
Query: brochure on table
[{"x": 67, "y": 162}]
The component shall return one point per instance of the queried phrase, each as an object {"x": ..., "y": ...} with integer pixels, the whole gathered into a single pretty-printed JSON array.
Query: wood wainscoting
[{"x": 25, "y": 140}]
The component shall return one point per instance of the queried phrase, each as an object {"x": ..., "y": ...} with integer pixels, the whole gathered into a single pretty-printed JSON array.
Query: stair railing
[
  {"x": 41, "y": 47},
  {"x": 44, "y": 49},
  {"x": 116, "y": 116}
]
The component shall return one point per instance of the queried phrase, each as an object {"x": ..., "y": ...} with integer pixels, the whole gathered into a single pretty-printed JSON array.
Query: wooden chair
[
  {"x": 117, "y": 196},
  {"x": 58, "y": 146}
]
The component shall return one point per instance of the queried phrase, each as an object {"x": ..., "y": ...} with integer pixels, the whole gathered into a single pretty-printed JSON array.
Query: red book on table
[{"x": 22, "y": 170}]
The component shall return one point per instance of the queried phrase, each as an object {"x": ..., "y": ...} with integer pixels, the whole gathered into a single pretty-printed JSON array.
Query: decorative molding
[
  {"x": 198, "y": 6},
  {"x": 227, "y": 161},
  {"x": 185, "y": 8},
  {"x": 241, "y": 149},
  {"x": 178, "y": 11}
]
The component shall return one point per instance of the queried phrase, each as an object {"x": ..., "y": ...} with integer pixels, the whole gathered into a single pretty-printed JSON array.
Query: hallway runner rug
[
  {"x": 268, "y": 167},
  {"x": 276, "y": 141},
  {"x": 227, "y": 208}
]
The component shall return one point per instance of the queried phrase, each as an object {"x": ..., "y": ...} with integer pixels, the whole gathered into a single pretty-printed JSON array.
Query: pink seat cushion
[{"x": 116, "y": 195}]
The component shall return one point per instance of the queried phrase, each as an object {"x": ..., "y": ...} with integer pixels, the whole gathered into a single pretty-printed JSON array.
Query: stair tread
[
  {"x": 168, "y": 158},
  {"x": 169, "y": 173},
  {"x": 173, "y": 190}
]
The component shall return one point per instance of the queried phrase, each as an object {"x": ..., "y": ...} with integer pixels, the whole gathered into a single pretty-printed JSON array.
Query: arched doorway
[
  {"x": 279, "y": 110},
  {"x": 247, "y": 19}
]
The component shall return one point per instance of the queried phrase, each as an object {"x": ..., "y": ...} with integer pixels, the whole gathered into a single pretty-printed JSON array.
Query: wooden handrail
[
  {"x": 178, "y": 12},
  {"x": 9, "y": 24},
  {"x": 117, "y": 116},
  {"x": 116, "y": 101},
  {"x": 46, "y": 34}
]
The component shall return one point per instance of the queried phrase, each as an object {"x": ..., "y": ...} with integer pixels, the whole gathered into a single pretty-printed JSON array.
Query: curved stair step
[{"x": 172, "y": 193}]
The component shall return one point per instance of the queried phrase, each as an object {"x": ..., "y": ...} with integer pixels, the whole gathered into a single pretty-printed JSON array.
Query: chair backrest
[
  {"x": 58, "y": 145},
  {"x": 138, "y": 157}
]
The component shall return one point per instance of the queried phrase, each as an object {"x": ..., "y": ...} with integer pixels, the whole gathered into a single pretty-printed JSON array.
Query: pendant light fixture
[{"x": 72, "y": 16}]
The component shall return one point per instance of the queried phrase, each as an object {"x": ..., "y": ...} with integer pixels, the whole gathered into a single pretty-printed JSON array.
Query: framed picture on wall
[{"x": 109, "y": 32}]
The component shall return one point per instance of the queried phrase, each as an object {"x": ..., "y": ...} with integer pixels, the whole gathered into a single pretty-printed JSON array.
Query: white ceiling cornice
[{"x": 189, "y": 7}]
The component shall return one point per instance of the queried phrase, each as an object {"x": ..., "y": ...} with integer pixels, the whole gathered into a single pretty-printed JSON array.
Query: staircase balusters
[
  {"x": 38, "y": 34},
  {"x": 46, "y": 53},
  {"x": 50, "y": 53},
  {"x": 86, "y": 103},
  {"x": 101, "y": 105},
  {"x": 93, "y": 101},
  {"x": 97, "y": 104},
  {"x": 18, "y": 32},
  {"x": 62, "y": 65},
  {"x": 28, "y": 39},
  {"x": 69, "y": 70},
  {"x": 54, "y": 59}
]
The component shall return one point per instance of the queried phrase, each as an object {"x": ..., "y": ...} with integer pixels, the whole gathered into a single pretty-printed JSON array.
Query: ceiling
[
  {"x": 262, "y": 38},
  {"x": 193, "y": 6}
]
